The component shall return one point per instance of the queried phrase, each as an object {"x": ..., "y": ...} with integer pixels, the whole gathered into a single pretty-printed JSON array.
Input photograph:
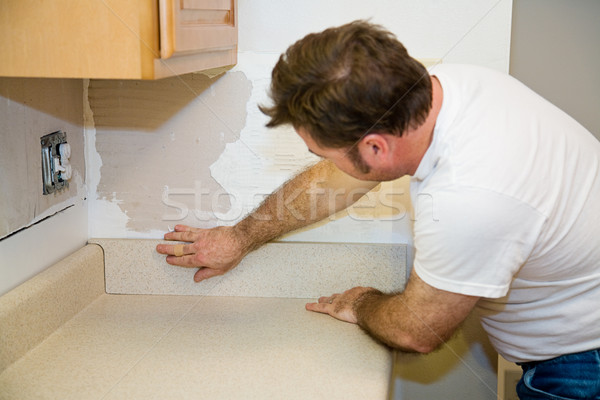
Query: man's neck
[{"x": 423, "y": 135}]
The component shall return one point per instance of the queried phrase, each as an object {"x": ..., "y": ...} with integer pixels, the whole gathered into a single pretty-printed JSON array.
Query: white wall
[
  {"x": 153, "y": 147},
  {"x": 146, "y": 180},
  {"x": 193, "y": 151},
  {"x": 458, "y": 31},
  {"x": 37, "y": 230},
  {"x": 554, "y": 51},
  {"x": 34, "y": 249}
]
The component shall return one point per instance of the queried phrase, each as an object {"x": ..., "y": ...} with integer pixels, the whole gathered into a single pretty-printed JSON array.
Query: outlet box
[{"x": 52, "y": 179}]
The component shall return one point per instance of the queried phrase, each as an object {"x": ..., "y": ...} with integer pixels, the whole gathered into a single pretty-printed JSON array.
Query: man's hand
[
  {"x": 215, "y": 251},
  {"x": 341, "y": 306},
  {"x": 418, "y": 319}
]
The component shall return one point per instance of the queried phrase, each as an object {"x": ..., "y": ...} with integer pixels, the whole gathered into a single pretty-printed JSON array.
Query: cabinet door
[
  {"x": 192, "y": 26},
  {"x": 78, "y": 39},
  {"x": 116, "y": 39}
]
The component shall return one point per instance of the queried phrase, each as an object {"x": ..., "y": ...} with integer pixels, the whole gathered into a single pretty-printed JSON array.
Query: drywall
[
  {"x": 195, "y": 150},
  {"x": 30, "y": 109},
  {"x": 34, "y": 249},
  {"x": 555, "y": 52},
  {"x": 463, "y": 31},
  {"x": 263, "y": 159},
  {"x": 154, "y": 142}
]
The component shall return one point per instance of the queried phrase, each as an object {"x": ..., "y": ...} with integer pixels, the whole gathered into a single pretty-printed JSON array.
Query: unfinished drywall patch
[
  {"x": 263, "y": 159},
  {"x": 107, "y": 217},
  {"x": 156, "y": 141},
  {"x": 30, "y": 109}
]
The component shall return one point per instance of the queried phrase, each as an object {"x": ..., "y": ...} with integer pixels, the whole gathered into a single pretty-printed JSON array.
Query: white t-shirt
[{"x": 507, "y": 207}]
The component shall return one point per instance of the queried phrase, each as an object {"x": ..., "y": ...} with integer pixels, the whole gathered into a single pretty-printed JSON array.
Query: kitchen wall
[
  {"x": 37, "y": 230},
  {"x": 194, "y": 149},
  {"x": 554, "y": 51}
]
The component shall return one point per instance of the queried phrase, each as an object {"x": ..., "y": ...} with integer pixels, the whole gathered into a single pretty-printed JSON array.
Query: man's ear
[{"x": 374, "y": 149}]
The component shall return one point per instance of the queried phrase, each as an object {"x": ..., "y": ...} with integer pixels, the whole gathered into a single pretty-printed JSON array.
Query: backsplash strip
[{"x": 280, "y": 269}]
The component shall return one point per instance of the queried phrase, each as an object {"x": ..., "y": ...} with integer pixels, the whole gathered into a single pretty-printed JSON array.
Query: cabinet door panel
[{"x": 189, "y": 26}]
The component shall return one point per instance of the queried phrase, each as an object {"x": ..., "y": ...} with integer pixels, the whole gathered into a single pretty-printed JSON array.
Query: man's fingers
[
  {"x": 185, "y": 236},
  {"x": 323, "y": 304},
  {"x": 318, "y": 307},
  {"x": 183, "y": 233},
  {"x": 177, "y": 250},
  {"x": 328, "y": 299},
  {"x": 163, "y": 249},
  {"x": 205, "y": 273},
  {"x": 188, "y": 261},
  {"x": 215, "y": 251},
  {"x": 339, "y": 306},
  {"x": 185, "y": 228}
]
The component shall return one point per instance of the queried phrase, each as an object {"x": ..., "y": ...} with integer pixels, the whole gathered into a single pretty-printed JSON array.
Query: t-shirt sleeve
[{"x": 472, "y": 241}]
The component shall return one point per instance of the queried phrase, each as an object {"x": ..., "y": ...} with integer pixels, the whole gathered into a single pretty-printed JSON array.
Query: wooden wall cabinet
[{"x": 116, "y": 39}]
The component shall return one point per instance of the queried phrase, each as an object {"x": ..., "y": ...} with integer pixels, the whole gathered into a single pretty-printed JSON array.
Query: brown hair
[{"x": 346, "y": 82}]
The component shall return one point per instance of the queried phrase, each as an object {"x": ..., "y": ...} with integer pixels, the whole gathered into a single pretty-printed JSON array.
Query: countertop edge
[{"x": 33, "y": 310}]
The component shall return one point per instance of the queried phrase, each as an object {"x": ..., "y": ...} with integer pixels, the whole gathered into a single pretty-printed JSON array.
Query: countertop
[
  {"x": 191, "y": 347},
  {"x": 63, "y": 337},
  {"x": 283, "y": 269}
]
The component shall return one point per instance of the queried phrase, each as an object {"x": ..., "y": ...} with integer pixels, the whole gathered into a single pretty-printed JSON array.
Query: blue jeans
[{"x": 572, "y": 376}]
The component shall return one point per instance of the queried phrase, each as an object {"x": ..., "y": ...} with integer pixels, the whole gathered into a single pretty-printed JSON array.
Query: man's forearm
[
  {"x": 417, "y": 320},
  {"x": 311, "y": 196},
  {"x": 372, "y": 310},
  {"x": 390, "y": 320}
]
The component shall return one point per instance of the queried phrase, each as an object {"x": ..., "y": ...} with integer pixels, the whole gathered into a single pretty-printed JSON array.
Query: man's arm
[
  {"x": 311, "y": 196},
  {"x": 417, "y": 320}
]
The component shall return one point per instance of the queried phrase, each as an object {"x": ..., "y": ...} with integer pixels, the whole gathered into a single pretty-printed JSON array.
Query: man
[{"x": 505, "y": 188}]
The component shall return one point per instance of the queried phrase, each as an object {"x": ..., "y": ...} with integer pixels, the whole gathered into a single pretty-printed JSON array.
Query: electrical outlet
[{"x": 56, "y": 169}]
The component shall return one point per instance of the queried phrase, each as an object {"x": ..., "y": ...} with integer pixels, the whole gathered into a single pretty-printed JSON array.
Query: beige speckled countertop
[
  {"x": 186, "y": 347},
  {"x": 176, "y": 347}
]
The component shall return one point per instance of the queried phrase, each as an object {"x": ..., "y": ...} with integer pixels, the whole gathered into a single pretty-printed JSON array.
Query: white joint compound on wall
[
  {"x": 106, "y": 219},
  {"x": 194, "y": 149}
]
